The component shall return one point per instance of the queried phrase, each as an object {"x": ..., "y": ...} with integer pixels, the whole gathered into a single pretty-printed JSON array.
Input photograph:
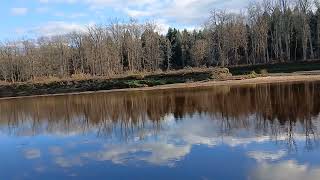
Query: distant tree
[
  {"x": 166, "y": 53},
  {"x": 174, "y": 37}
]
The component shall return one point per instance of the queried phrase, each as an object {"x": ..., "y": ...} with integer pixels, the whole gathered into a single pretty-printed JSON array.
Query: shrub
[
  {"x": 220, "y": 73},
  {"x": 4, "y": 82},
  {"x": 253, "y": 74},
  {"x": 264, "y": 72}
]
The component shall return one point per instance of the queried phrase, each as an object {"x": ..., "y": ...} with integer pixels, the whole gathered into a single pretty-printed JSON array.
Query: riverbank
[
  {"x": 235, "y": 81},
  {"x": 285, "y": 67},
  {"x": 93, "y": 84},
  {"x": 230, "y": 81}
]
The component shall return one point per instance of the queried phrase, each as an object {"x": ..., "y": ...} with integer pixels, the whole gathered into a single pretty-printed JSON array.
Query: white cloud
[
  {"x": 285, "y": 170},
  {"x": 58, "y": 1},
  {"x": 77, "y": 15},
  {"x": 162, "y": 26},
  {"x": 32, "y": 153},
  {"x": 137, "y": 13},
  {"x": 261, "y": 156},
  {"x": 157, "y": 153},
  {"x": 57, "y": 28},
  {"x": 19, "y": 11},
  {"x": 188, "y": 12},
  {"x": 67, "y": 163},
  {"x": 71, "y": 16}
]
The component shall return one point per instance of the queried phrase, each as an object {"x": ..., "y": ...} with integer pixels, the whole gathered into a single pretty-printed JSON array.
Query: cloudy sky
[{"x": 21, "y": 18}]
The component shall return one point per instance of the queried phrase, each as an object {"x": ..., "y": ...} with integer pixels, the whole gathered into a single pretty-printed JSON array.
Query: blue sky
[{"x": 29, "y": 18}]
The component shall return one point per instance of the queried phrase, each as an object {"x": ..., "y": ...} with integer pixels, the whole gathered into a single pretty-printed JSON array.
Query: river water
[{"x": 268, "y": 131}]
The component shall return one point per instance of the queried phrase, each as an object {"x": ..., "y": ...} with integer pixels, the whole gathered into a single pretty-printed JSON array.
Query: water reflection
[
  {"x": 265, "y": 109},
  {"x": 275, "y": 126},
  {"x": 281, "y": 170}
]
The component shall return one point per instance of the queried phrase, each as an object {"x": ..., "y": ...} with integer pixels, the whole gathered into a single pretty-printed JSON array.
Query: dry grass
[
  {"x": 216, "y": 73},
  {"x": 135, "y": 75},
  {"x": 141, "y": 75},
  {"x": 4, "y": 83},
  {"x": 45, "y": 79},
  {"x": 81, "y": 76},
  {"x": 194, "y": 70}
]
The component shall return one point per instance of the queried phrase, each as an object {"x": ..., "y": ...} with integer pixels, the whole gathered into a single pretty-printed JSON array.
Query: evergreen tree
[
  {"x": 174, "y": 37},
  {"x": 186, "y": 48}
]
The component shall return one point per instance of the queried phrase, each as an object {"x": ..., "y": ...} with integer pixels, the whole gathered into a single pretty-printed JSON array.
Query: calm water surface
[{"x": 247, "y": 132}]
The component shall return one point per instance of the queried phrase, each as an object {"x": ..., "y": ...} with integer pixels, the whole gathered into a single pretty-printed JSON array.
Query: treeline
[
  {"x": 267, "y": 32},
  {"x": 102, "y": 50}
]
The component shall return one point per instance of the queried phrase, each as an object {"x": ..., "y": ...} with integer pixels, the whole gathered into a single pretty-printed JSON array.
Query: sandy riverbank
[
  {"x": 258, "y": 80},
  {"x": 273, "y": 78}
]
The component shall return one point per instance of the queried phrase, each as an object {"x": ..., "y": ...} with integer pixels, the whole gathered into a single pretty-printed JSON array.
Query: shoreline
[{"x": 271, "y": 79}]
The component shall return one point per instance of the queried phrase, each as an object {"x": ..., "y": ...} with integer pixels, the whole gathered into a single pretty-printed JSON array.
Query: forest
[{"x": 267, "y": 32}]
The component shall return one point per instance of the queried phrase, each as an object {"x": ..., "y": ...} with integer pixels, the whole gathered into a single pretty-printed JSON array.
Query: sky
[{"x": 30, "y": 18}]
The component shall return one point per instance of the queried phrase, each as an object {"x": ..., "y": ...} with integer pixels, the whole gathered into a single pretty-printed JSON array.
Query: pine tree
[{"x": 174, "y": 37}]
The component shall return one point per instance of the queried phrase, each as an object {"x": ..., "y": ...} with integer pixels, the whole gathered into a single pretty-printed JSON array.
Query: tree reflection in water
[{"x": 278, "y": 110}]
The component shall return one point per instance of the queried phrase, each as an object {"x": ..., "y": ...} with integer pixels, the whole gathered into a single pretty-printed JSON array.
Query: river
[{"x": 267, "y": 131}]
